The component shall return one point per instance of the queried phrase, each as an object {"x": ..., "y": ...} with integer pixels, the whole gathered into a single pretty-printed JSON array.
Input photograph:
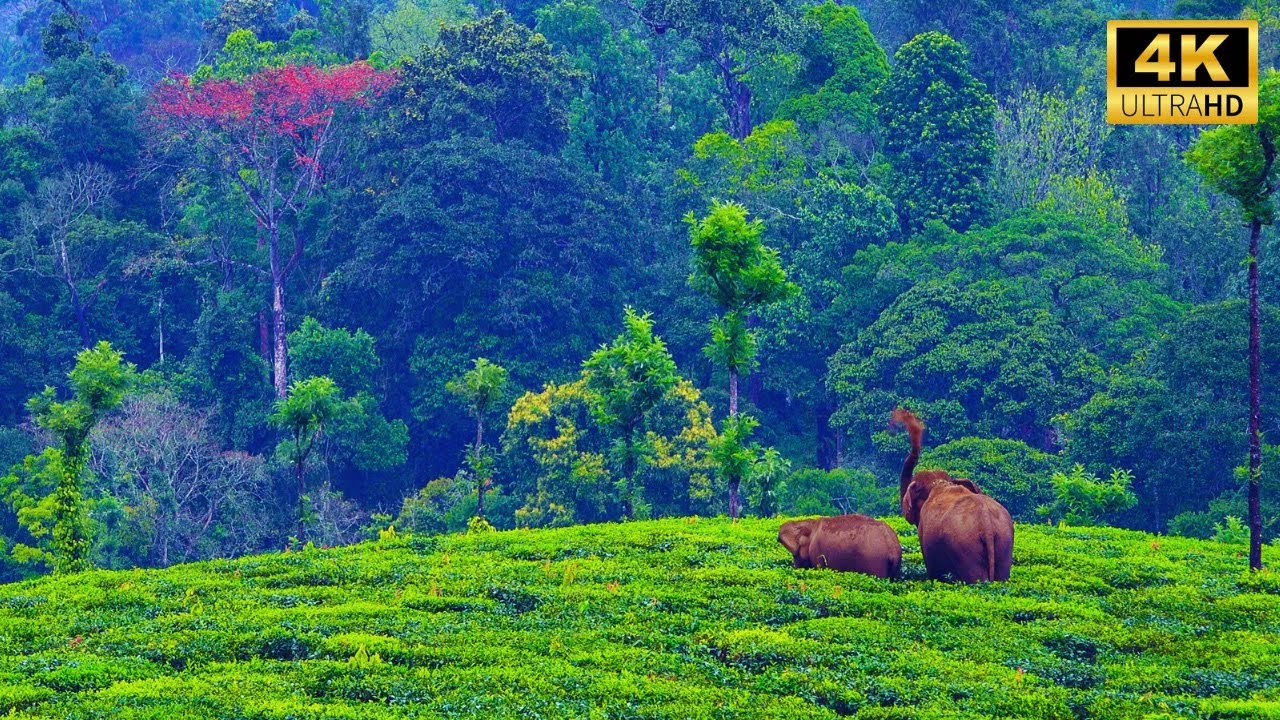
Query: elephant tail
[
  {"x": 990, "y": 541},
  {"x": 915, "y": 430}
]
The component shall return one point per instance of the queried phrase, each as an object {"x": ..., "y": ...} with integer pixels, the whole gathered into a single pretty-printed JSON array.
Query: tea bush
[{"x": 675, "y": 618}]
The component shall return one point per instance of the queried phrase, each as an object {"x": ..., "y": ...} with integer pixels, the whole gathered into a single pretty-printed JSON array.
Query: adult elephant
[
  {"x": 853, "y": 543},
  {"x": 963, "y": 532}
]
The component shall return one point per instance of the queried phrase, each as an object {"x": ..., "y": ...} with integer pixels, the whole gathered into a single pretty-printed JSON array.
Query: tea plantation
[{"x": 674, "y": 618}]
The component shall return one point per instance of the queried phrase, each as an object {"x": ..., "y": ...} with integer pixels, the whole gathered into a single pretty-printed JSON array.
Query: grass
[{"x": 672, "y": 618}]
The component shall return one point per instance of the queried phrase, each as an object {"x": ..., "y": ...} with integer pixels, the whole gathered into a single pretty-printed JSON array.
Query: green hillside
[{"x": 673, "y": 618}]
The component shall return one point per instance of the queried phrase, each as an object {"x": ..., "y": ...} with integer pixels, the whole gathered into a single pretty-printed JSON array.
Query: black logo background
[{"x": 1232, "y": 54}]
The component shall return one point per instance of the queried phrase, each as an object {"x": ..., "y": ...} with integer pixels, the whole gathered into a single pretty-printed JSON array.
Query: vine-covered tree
[
  {"x": 938, "y": 133},
  {"x": 98, "y": 383}
]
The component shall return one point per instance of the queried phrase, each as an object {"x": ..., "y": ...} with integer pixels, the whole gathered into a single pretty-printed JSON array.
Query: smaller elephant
[{"x": 852, "y": 543}]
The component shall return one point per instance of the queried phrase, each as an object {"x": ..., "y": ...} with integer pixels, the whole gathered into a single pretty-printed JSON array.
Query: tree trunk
[
  {"x": 629, "y": 473},
  {"x": 481, "y": 480},
  {"x": 298, "y": 469},
  {"x": 1255, "y": 402},
  {"x": 737, "y": 104},
  {"x": 755, "y": 379},
  {"x": 280, "y": 369},
  {"x": 733, "y": 392},
  {"x": 70, "y": 530},
  {"x": 735, "y": 502},
  {"x": 160, "y": 325},
  {"x": 81, "y": 323}
]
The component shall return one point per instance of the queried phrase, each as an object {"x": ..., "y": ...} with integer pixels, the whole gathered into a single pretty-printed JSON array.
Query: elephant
[
  {"x": 963, "y": 532},
  {"x": 852, "y": 543}
]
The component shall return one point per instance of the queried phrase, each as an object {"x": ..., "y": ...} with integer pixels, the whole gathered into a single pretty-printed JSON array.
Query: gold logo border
[{"x": 1248, "y": 114}]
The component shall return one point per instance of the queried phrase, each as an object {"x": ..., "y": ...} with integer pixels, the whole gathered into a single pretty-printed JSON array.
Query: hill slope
[{"x": 673, "y": 618}]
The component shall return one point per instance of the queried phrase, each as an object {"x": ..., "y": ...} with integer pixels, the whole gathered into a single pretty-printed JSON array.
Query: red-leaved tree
[{"x": 271, "y": 133}]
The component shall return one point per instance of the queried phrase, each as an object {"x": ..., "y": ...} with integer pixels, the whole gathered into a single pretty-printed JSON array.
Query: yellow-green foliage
[{"x": 673, "y": 618}]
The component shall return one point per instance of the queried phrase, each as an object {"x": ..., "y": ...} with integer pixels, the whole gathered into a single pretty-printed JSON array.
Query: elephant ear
[
  {"x": 917, "y": 492},
  {"x": 794, "y": 535},
  {"x": 965, "y": 482}
]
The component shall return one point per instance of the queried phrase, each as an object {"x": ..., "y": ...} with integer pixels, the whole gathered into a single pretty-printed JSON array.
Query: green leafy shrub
[{"x": 1081, "y": 498}]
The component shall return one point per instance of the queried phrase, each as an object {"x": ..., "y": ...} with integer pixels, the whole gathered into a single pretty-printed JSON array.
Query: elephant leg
[{"x": 933, "y": 567}]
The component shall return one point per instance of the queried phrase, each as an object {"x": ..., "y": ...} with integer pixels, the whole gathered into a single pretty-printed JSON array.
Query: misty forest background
[{"x": 915, "y": 202}]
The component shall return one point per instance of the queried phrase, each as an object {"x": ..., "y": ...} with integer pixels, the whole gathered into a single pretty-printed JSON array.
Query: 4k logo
[{"x": 1182, "y": 71}]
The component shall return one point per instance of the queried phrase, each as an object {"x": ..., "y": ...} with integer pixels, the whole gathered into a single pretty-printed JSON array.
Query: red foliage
[{"x": 284, "y": 101}]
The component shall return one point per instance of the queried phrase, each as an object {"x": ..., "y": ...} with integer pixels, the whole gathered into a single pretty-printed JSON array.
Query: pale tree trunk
[
  {"x": 279, "y": 362},
  {"x": 733, "y": 392},
  {"x": 73, "y": 292},
  {"x": 828, "y": 440},
  {"x": 1255, "y": 402}
]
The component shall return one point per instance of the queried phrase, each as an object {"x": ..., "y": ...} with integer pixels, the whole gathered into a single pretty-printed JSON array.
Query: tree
[
  {"x": 938, "y": 134},
  {"x": 491, "y": 78},
  {"x": 261, "y": 17},
  {"x": 974, "y": 358},
  {"x": 98, "y": 383},
  {"x": 767, "y": 480},
  {"x": 188, "y": 498},
  {"x": 737, "y": 36},
  {"x": 480, "y": 388},
  {"x": 845, "y": 66},
  {"x": 734, "y": 268},
  {"x": 404, "y": 27},
  {"x": 62, "y": 202},
  {"x": 362, "y": 440},
  {"x": 310, "y": 405},
  {"x": 1240, "y": 161},
  {"x": 272, "y": 134},
  {"x": 1009, "y": 470},
  {"x": 1176, "y": 417},
  {"x": 1042, "y": 137},
  {"x": 557, "y": 455},
  {"x": 630, "y": 377}
]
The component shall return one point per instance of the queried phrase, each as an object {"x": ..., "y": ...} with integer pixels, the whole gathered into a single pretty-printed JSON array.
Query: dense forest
[{"x": 279, "y": 272}]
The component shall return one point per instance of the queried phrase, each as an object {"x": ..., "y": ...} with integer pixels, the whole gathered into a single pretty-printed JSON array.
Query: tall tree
[
  {"x": 480, "y": 388},
  {"x": 736, "y": 36},
  {"x": 735, "y": 269},
  {"x": 98, "y": 382},
  {"x": 1240, "y": 161},
  {"x": 937, "y": 120},
  {"x": 630, "y": 377},
  {"x": 272, "y": 134}
]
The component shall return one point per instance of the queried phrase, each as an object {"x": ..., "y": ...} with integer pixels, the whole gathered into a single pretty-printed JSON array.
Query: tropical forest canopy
[{"x": 277, "y": 271}]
